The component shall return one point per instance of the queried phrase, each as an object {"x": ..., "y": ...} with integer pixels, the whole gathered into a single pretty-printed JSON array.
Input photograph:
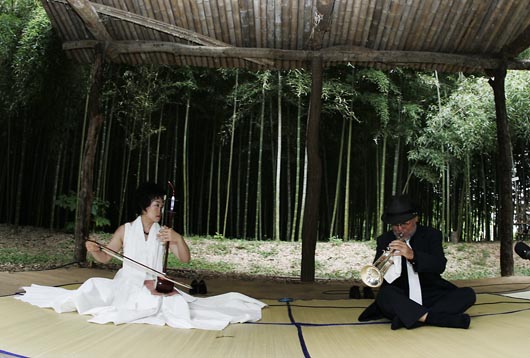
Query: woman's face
[{"x": 154, "y": 211}]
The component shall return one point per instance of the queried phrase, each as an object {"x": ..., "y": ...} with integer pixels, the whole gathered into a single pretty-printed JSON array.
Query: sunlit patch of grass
[
  {"x": 472, "y": 275},
  {"x": 219, "y": 248},
  {"x": 372, "y": 244},
  {"x": 522, "y": 271},
  {"x": 249, "y": 246},
  {"x": 460, "y": 247},
  {"x": 335, "y": 259},
  {"x": 335, "y": 240},
  {"x": 339, "y": 275},
  {"x": 11, "y": 256},
  {"x": 199, "y": 264},
  {"x": 262, "y": 270},
  {"x": 268, "y": 253},
  {"x": 481, "y": 260}
]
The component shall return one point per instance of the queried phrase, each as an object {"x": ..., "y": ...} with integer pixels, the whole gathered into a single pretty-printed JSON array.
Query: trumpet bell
[{"x": 371, "y": 276}]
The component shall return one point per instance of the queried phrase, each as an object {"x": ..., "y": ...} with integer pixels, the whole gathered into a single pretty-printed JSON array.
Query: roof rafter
[
  {"x": 91, "y": 19},
  {"x": 334, "y": 54},
  {"x": 266, "y": 34},
  {"x": 88, "y": 11}
]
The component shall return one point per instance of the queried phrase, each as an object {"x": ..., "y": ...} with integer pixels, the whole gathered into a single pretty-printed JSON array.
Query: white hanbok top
[{"x": 125, "y": 299}]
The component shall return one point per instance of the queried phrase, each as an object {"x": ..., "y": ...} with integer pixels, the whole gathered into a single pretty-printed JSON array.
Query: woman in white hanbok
[{"x": 130, "y": 297}]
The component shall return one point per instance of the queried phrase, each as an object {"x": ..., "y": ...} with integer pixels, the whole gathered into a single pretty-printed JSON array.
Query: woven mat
[{"x": 302, "y": 328}]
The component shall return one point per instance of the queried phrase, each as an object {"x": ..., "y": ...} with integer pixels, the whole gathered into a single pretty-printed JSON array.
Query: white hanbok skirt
[{"x": 120, "y": 300}]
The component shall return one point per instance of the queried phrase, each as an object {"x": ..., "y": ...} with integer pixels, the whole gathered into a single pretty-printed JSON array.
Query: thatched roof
[{"x": 447, "y": 35}]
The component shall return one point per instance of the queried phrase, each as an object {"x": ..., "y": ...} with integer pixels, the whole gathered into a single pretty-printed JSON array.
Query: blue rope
[
  {"x": 5, "y": 353},
  {"x": 299, "y": 329}
]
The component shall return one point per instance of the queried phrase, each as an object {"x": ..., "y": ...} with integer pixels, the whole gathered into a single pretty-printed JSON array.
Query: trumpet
[{"x": 373, "y": 275}]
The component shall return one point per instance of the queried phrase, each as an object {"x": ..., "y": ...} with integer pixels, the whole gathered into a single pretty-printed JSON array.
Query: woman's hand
[
  {"x": 176, "y": 242},
  {"x": 115, "y": 244},
  {"x": 92, "y": 246},
  {"x": 96, "y": 252},
  {"x": 167, "y": 235}
]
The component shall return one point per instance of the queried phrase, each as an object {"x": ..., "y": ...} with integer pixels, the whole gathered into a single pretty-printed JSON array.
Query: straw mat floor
[{"x": 316, "y": 327}]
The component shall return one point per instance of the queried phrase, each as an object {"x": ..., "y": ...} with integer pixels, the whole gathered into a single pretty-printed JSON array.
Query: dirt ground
[{"x": 237, "y": 258}]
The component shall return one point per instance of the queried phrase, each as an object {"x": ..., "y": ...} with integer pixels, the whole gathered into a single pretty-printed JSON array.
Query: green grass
[
  {"x": 219, "y": 247},
  {"x": 201, "y": 265},
  {"x": 10, "y": 256},
  {"x": 268, "y": 253},
  {"x": 260, "y": 257}
]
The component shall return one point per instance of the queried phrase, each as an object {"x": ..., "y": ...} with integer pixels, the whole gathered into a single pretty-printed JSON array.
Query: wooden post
[
  {"x": 314, "y": 175},
  {"x": 85, "y": 193},
  {"x": 504, "y": 171}
]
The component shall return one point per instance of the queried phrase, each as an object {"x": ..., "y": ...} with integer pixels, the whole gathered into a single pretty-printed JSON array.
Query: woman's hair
[{"x": 145, "y": 194}]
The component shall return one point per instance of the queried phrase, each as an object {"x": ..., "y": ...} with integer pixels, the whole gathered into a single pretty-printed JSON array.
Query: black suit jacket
[{"x": 429, "y": 262}]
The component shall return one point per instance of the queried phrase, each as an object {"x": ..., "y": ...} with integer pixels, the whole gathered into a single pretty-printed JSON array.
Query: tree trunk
[
  {"x": 298, "y": 160},
  {"x": 381, "y": 189},
  {"x": 288, "y": 188},
  {"x": 175, "y": 147},
  {"x": 85, "y": 194},
  {"x": 210, "y": 185},
  {"x": 138, "y": 174},
  {"x": 504, "y": 171},
  {"x": 467, "y": 213},
  {"x": 104, "y": 136},
  {"x": 277, "y": 188},
  {"x": 231, "y": 155},
  {"x": 395, "y": 169},
  {"x": 20, "y": 180},
  {"x": 56, "y": 184},
  {"x": 258, "y": 226},
  {"x": 127, "y": 156},
  {"x": 219, "y": 196},
  {"x": 247, "y": 179},
  {"x": 239, "y": 184},
  {"x": 104, "y": 151},
  {"x": 314, "y": 169},
  {"x": 332, "y": 231},
  {"x": 346, "y": 232},
  {"x": 303, "y": 200},
  {"x": 158, "y": 140},
  {"x": 185, "y": 189},
  {"x": 456, "y": 235}
]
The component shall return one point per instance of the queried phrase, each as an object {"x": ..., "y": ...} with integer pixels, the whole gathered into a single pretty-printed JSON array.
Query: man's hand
[{"x": 402, "y": 249}]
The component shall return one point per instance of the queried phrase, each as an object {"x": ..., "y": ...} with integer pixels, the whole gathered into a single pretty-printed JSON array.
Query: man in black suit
[{"x": 413, "y": 292}]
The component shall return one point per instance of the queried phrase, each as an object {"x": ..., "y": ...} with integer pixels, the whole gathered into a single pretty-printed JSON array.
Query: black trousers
[{"x": 395, "y": 302}]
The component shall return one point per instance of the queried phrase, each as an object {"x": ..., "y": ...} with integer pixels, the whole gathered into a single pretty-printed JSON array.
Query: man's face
[{"x": 405, "y": 230}]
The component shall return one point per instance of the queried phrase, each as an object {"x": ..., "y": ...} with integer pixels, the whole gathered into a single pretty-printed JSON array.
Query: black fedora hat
[{"x": 399, "y": 210}]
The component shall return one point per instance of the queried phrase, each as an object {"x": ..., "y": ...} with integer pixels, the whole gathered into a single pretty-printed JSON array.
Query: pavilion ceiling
[{"x": 447, "y": 35}]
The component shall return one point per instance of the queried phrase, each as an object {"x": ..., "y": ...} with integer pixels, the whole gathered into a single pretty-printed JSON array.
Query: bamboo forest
[{"x": 233, "y": 143}]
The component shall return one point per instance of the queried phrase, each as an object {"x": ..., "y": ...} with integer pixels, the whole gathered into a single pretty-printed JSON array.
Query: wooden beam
[
  {"x": 166, "y": 28},
  {"x": 88, "y": 14},
  {"x": 157, "y": 25},
  {"x": 329, "y": 55}
]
